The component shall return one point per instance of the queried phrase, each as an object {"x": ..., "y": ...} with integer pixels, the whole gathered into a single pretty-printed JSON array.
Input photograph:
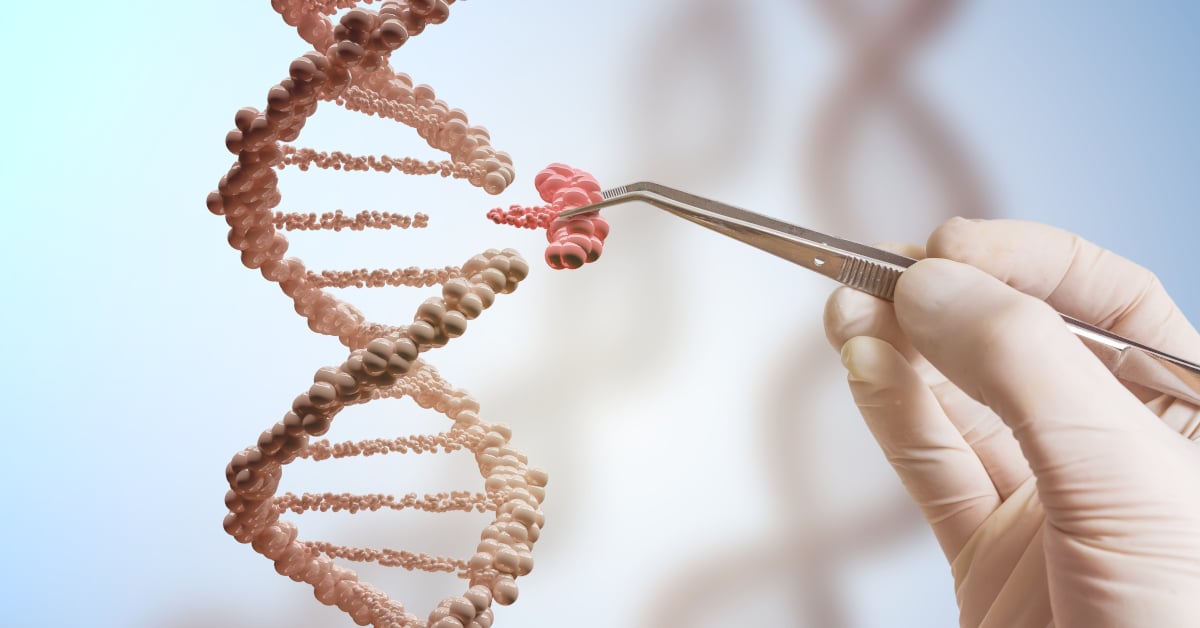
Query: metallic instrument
[{"x": 876, "y": 271}]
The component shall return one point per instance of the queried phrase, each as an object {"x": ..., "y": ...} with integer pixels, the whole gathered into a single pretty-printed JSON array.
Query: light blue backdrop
[{"x": 140, "y": 355}]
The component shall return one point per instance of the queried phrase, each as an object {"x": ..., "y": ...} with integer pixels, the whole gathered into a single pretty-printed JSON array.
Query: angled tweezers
[{"x": 876, "y": 271}]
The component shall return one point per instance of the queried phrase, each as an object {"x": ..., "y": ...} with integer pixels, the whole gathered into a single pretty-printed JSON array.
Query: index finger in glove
[{"x": 1074, "y": 276}]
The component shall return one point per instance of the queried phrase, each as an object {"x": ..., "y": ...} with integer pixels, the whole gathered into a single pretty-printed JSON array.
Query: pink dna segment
[
  {"x": 349, "y": 67},
  {"x": 573, "y": 241}
]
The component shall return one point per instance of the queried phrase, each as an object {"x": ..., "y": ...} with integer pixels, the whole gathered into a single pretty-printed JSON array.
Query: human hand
[{"x": 1059, "y": 495}]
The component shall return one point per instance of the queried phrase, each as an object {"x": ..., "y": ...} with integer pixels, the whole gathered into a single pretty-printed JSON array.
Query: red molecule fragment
[{"x": 573, "y": 241}]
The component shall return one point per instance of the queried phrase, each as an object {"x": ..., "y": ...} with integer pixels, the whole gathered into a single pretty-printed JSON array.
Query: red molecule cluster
[
  {"x": 573, "y": 241},
  {"x": 524, "y": 217},
  {"x": 578, "y": 240}
]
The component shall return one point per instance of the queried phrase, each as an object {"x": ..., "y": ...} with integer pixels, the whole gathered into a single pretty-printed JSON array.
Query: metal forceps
[{"x": 876, "y": 271}]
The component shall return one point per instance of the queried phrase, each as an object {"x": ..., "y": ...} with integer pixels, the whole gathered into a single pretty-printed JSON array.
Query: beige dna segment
[
  {"x": 349, "y": 67},
  {"x": 879, "y": 58}
]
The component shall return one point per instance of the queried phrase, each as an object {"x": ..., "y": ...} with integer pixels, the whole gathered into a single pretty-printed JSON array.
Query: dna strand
[
  {"x": 878, "y": 52},
  {"x": 708, "y": 43},
  {"x": 349, "y": 66}
]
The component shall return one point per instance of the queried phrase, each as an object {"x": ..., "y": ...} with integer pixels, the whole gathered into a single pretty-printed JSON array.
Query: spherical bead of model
[
  {"x": 482, "y": 620},
  {"x": 381, "y": 347},
  {"x": 421, "y": 333},
  {"x": 422, "y": 7},
  {"x": 357, "y": 20},
  {"x": 315, "y": 424},
  {"x": 322, "y": 394},
  {"x": 480, "y": 596},
  {"x": 504, "y": 590},
  {"x": 454, "y": 290},
  {"x": 484, "y": 293},
  {"x": 454, "y": 323},
  {"x": 392, "y": 34},
  {"x": 415, "y": 24},
  {"x": 347, "y": 53},
  {"x": 397, "y": 366},
  {"x": 460, "y": 608},
  {"x": 326, "y": 591},
  {"x": 474, "y": 265},
  {"x": 506, "y": 560},
  {"x": 406, "y": 348},
  {"x": 431, "y": 311},
  {"x": 518, "y": 270}
]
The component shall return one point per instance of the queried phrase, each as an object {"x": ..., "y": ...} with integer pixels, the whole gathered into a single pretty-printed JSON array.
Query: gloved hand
[{"x": 1059, "y": 495}]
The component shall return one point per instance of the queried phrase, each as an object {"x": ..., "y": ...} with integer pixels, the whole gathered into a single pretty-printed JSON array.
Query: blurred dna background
[{"x": 707, "y": 467}]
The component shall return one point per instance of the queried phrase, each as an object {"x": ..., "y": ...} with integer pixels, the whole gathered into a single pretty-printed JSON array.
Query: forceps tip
[{"x": 611, "y": 196}]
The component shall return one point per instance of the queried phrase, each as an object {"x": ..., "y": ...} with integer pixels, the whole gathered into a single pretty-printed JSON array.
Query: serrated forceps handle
[{"x": 876, "y": 272}]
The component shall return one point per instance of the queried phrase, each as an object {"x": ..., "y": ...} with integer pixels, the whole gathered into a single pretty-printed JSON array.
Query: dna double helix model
[
  {"x": 349, "y": 67},
  {"x": 879, "y": 54}
]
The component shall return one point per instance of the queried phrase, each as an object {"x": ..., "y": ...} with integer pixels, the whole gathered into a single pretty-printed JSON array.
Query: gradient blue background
[{"x": 140, "y": 356}]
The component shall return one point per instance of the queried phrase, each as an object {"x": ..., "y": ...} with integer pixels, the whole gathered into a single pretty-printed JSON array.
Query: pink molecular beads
[{"x": 573, "y": 241}]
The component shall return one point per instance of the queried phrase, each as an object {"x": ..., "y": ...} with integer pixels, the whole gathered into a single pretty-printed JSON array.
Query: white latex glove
[{"x": 1058, "y": 496}]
